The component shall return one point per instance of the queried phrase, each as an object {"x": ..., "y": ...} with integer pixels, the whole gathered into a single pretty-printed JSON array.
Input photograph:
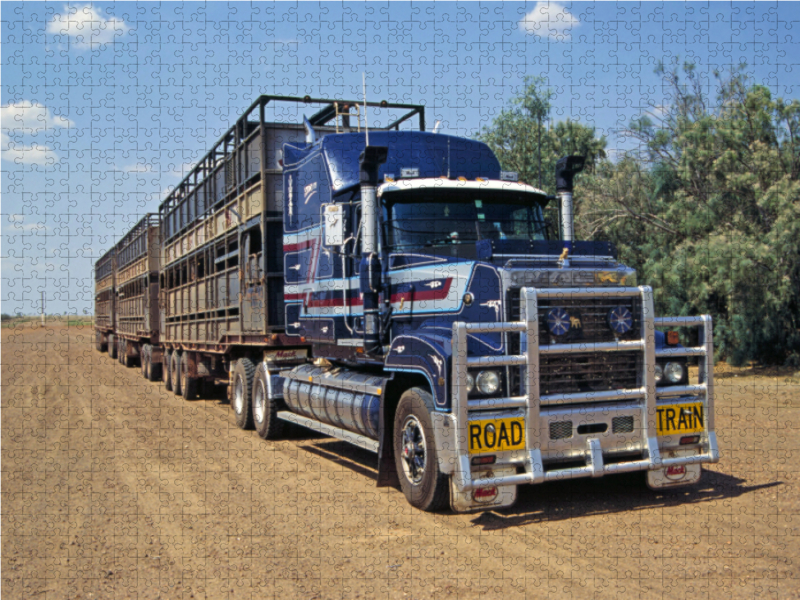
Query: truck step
[{"x": 342, "y": 434}]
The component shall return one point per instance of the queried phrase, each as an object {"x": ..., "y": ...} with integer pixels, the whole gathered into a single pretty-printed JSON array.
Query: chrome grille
[
  {"x": 560, "y": 430},
  {"x": 583, "y": 372},
  {"x": 622, "y": 425},
  {"x": 592, "y": 312}
]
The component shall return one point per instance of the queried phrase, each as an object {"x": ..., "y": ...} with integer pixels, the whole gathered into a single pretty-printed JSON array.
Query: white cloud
[
  {"x": 549, "y": 19},
  {"x": 30, "y": 118},
  {"x": 86, "y": 27},
  {"x": 35, "y": 154}
]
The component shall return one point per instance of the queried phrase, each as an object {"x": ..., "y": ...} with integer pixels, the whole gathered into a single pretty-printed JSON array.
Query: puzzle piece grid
[{"x": 113, "y": 487}]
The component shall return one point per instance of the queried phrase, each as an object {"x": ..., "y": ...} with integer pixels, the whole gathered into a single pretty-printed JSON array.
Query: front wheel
[{"x": 423, "y": 484}]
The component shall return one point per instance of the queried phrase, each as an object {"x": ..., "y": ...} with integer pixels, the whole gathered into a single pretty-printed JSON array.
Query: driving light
[
  {"x": 558, "y": 321},
  {"x": 470, "y": 383},
  {"x": 659, "y": 373},
  {"x": 620, "y": 320},
  {"x": 488, "y": 382},
  {"x": 673, "y": 371}
]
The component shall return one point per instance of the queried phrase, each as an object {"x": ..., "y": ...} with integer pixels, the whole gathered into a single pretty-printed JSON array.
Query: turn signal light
[
  {"x": 672, "y": 338},
  {"x": 690, "y": 439},
  {"x": 484, "y": 460}
]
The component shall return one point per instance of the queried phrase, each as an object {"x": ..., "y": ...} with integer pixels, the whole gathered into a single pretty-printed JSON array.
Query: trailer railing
[{"x": 531, "y": 401}]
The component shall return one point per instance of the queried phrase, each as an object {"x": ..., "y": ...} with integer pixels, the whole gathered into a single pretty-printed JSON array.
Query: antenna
[
  {"x": 366, "y": 118},
  {"x": 436, "y": 127},
  {"x": 448, "y": 157}
]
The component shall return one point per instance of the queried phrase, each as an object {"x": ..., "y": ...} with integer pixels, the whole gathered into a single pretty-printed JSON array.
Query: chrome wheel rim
[
  {"x": 238, "y": 396},
  {"x": 412, "y": 453},
  {"x": 259, "y": 403}
]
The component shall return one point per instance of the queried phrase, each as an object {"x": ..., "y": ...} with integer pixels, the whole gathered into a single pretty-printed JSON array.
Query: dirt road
[{"x": 114, "y": 488}]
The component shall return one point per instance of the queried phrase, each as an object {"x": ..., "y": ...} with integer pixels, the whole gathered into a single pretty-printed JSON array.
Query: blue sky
[{"x": 106, "y": 105}]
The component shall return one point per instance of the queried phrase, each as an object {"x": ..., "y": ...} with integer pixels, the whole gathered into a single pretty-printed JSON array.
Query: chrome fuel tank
[{"x": 335, "y": 396}]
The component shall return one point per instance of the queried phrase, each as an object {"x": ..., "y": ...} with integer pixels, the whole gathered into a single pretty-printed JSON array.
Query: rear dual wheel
[
  {"x": 243, "y": 372},
  {"x": 112, "y": 345},
  {"x": 265, "y": 409},
  {"x": 188, "y": 383},
  {"x": 175, "y": 368},
  {"x": 166, "y": 366}
]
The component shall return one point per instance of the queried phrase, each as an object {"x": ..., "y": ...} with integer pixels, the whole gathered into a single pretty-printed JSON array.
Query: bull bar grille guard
[{"x": 531, "y": 401}]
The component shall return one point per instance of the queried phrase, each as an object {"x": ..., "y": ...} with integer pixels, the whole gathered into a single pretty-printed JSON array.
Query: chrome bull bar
[{"x": 531, "y": 401}]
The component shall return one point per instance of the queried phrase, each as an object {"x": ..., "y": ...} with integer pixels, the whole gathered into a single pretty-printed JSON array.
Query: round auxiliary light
[
  {"x": 620, "y": 320},
  {"x": 673, "y": 371},
  {"x": 558, "y": 321},
  {"x": 488, "y": 382},
  {"x": 470, "y": 383}
]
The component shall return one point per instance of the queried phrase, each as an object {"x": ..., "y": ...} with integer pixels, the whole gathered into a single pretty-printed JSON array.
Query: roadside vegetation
[{"x": 707, "y": 209}]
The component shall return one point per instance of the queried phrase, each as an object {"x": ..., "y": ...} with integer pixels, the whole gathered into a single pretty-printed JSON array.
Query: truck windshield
[{"x": 425, "y": 218}]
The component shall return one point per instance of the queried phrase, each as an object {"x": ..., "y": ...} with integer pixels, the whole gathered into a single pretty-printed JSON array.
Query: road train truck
[{"x": 393, "y": 288}]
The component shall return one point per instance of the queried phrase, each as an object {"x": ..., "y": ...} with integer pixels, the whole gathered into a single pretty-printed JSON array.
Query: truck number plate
[
  {"x": 496, "y": 435},
  {"x": 679, "y": 418}
]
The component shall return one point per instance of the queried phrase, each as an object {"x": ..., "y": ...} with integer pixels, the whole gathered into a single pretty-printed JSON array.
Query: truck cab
[{"x": 453, "y": 331}]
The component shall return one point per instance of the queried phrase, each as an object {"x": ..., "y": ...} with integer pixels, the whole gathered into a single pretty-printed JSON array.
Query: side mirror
[{"x": 333, "y": 215}]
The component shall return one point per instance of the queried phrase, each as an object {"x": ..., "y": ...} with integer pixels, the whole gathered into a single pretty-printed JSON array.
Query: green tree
[
  {"x": 519, "y": 137},
  {"x": 709, "y": 212}
]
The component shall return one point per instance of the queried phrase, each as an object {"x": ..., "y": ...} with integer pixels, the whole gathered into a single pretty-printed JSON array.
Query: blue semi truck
[{"x": 397, "y": 290}]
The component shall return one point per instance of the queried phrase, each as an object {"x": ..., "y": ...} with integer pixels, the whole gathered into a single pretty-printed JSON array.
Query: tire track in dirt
[{"x": 113, "y": 487}]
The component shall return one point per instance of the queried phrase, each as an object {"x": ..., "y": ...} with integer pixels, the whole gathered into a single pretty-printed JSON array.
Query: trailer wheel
[
  {"x": 188, "y": 384},
  {"x": 120, "y": 350},
  {"x": 144, "y": 360},
  {"x": 175, "y": 367},
  {"x": 167, "y": 371},
  {"x": 98, "y": 341},
  {"x": 242, "y": 387},
  {"x": 423, "y": 484},
  {"x": 265, "y": 409},
  {"x": 112, "y": 345},
  {"x": 127, "y": 361},
  {"x": 155, "y": 370}
]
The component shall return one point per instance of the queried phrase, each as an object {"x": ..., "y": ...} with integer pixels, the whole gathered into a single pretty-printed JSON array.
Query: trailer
[
  {"x": 104, "y": 303},
  {"x": 395, "y": 289},
  {"x": 137, "y": 317}
]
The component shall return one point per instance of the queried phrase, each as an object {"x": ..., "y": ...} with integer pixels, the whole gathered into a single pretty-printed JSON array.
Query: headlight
[
  {"x": 659, "y": 373},
  {"x": 673, "y": 372},
  {"x": 470, "y": 382},
  {"x": 488, "y": 382}
]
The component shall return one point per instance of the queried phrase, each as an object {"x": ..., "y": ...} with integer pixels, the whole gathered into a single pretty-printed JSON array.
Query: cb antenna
[{"x": 366, "y": 117}]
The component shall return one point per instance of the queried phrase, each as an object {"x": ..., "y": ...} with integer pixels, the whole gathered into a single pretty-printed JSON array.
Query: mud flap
[
  {"x": 499, "y": 496},
  {"x": 676, "y": 475}
]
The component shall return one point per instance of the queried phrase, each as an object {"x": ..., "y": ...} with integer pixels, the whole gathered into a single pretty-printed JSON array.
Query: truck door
[{"x": 252, "y": 284}]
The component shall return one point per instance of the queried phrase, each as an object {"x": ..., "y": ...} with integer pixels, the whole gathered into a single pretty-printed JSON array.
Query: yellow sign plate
[
  {"x": 678, "y": 419},
  {"x": 496, "y": 435}
]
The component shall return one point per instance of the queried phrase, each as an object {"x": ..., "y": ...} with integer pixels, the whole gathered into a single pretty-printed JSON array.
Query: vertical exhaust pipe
[
  {"x": 370, "y": 272},
  {"x": 566, "y": 169}
]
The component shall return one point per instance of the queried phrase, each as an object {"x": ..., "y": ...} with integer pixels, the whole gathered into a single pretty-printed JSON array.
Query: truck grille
[
  {"x": 592, "y": 312},
  {"x": 583, "y": 372}
]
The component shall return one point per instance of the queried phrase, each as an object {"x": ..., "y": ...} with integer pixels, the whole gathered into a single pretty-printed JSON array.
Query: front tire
[
  {"x": 241, "y": 402},
  {"x": 265, "y": 409},
  {"x": 423, "y": 484}
]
